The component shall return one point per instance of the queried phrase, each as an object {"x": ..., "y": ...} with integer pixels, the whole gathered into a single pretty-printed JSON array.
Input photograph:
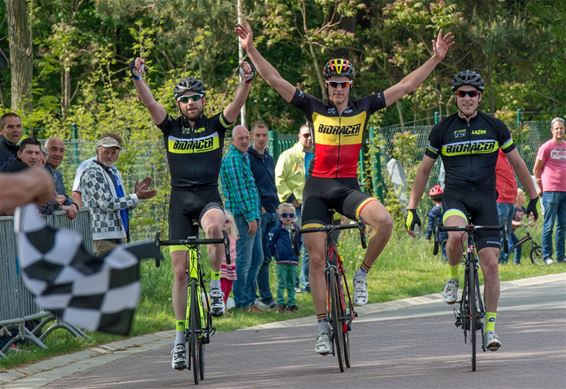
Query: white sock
[
  {"x": 214, "y": 284},
  {"x": 179, "y": 337},
  {"x": 360, "y": 275}
]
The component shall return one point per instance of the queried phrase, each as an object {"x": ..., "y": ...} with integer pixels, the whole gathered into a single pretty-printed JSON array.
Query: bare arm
[
  {"x": 423, "y": 173},
  {"x": 412, "y": 81},
  {"x": 522, "y": 172},
  {"x": 232, "y": 111},
  {"x": 264, "y": 68},
  {"x": 537, "y": 170},
  {"x": 155, "y": 109}
]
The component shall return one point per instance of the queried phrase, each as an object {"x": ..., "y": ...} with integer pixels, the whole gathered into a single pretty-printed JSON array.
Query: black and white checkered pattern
[{"x": 95, "y": 293}]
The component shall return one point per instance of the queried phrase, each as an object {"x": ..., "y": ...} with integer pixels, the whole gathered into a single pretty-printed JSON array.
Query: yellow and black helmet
[{"x": 339, "y": 67}]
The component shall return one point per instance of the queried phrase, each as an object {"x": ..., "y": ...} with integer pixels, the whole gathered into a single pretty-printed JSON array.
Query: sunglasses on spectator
[
  {"x": 335, "y": 84},
  {"x": 464, "y": 93},
  {"x": 287, "y": 215},
  {"x": 186, "y": 99}
]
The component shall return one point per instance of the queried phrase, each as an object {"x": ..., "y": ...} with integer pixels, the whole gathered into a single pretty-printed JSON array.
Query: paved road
[{"x": 408, "y": 344}]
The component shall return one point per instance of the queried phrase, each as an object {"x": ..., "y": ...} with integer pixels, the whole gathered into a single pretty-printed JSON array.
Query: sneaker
[
  {"x": 548, "y": 261},
  {"x": 263, "y": 306},
  {"x": 492, "y": 342},
  {"x": 292, "y": 308},
  {"x": 298, "y": 290},
  {"x": 322, "y": 345},
  {"x": 281, "y": 308},
  {"x": 230, "y": 303},
  {"x": 216, "y": 302},
  {"x": 179, "y": 360},
  {"x": 450, "y": 293},
  {"x": 360, "y": 292}
]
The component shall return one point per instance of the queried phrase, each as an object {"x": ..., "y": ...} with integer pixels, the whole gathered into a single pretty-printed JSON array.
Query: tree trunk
[{"x": 21, "y": 61}]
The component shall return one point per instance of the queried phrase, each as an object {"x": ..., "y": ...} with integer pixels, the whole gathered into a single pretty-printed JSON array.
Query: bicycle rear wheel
[
  {"x": 194, "y": 331},
  {"x": 335, "y": 322},
  {"x": 536, "y": 255},
  {"x": 472, "y": 277}
]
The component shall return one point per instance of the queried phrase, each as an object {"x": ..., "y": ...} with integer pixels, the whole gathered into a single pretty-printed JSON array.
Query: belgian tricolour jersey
[
  {"x": 337, "y": 137},
  {"x": 469, "y": 150},
  {"x": 194, "y": 153}
]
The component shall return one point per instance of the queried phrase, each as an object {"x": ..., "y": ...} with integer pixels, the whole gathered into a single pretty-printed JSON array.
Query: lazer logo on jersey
[
  {"x": 474, "y": 147},
  {"x": 195, "y": 145},
  {"x": 479, "y": 132},
  {"x": 352, "y": 130}
]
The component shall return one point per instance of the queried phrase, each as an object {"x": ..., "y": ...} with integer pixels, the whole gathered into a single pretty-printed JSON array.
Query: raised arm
[
  {"x": 155, "y": 109},
  {"x": 232, "y": 111},
  {"x": 264, "y": 68},
  {"x": 412, "y": 81}
]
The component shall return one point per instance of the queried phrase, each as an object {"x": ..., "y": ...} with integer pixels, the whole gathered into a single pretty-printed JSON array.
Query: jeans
[
  {"x": 505, "y": 211},
  {"x": 249, "y": 255},
  {"x": 268, "y": 221},
  {"x": 518, "y": 250},
  {"x": 554, "y": 212}
]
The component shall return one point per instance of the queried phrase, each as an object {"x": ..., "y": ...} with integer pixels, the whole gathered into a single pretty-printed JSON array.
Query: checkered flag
[{"x": 95, "y": 293}]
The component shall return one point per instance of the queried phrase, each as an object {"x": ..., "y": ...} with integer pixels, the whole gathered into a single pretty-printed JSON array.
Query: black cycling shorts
[
  {"x": 482, "y": 209},
  {"x": 340, "y": 194},
  {"x": 187, "y": 207}
]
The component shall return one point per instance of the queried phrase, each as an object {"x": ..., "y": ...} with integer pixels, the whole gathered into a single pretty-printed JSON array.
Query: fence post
[
  {"x": 274, "y": 144},
  {"x": 518, "y": 118},
  {"x": 436, "y": 117},
  {"x": 74, "y": 135}
]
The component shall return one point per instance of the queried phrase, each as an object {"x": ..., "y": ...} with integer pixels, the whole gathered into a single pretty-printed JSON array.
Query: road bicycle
[
  {"x": 339, "y": 308},
  {"x": 198, "y": 324},
  {"x": 470, "y": 312}
]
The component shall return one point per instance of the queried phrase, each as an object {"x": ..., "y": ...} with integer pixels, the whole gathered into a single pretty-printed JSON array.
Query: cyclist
[
  {"x": 468, "y": 143},
  {"x": 338, "y": 127},
  {"x": 435, "y": 218},
  {"x": 194, "y": 145}
]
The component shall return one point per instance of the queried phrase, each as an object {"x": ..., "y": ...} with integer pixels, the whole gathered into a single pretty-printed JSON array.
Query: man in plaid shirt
[{"x": 242, "y": 200}]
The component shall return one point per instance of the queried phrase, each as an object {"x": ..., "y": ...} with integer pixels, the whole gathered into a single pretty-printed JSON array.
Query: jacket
[
  {"x": 290, "y": 174},
  {"x": 284, "y": 244}
]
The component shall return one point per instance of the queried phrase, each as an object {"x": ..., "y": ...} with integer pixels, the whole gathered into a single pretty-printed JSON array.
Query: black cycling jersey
[
  {"x": 469, "y": 150},
  {"x": 337, "y": 137},
  {"x": 194, "y": 153}
]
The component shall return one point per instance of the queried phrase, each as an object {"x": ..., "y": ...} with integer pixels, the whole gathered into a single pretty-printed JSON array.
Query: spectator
[
  {"x": 506, "y": 188},
  {"x": 284, "y": 243},
  {"x": 263, "y": 170},
  {"x": 291, "y": 171},
  {"x": 435, "y": 218},
  {"x": 550, "y": 175},
  {"x": 76, "y": 194},
  {"x": 228, "y": 271},
  {"x": 242, "y": 200},
  {"x": 28, "y": 155},
  {"x": 520, "y": 212},
  {"x": 55, "y": 149},
  {"x": 103, "y": 192},
  {"x": 10, "y": 134}
]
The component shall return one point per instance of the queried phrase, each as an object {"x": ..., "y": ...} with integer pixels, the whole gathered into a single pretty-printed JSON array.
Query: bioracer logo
[
  {"x": 339, "y": 130},
  {"x": 194, "y": 145},
  {"x": 476, "y": 147}
]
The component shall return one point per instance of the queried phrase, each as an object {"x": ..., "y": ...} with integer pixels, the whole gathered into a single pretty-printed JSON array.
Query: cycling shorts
[
  {"x": 482, "y": 209},
  {"x": 188, "y": 207},
  {"x": 322, "y": 194}
]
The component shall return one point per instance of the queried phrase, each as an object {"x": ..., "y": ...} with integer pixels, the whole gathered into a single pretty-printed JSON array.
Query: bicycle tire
[
  {"x": 536, "y": 255},
  {"x": 194, "y": 330},
  {"x": 346, "y": 315},
  {"x": 335, "y": 322},
  {"x": 472, "y": 311}
]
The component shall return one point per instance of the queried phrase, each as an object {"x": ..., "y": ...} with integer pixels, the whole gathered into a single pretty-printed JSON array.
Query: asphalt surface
[{"x": 412, "y": 343}]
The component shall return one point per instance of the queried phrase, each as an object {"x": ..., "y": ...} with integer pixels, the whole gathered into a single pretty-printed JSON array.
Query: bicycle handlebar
[
  {"x": 194, "y": 241},
  {"x": 329, "y": 228},
  {"x": 472, "y": 228}
]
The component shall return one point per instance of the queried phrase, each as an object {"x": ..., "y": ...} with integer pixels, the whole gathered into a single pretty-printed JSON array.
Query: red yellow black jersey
[{"x": 337, "y": 137}]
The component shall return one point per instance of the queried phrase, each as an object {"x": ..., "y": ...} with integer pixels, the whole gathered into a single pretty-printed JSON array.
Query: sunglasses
[
  {"x": 464, "y": 93},
  {"x": 335, "y": 84},
  {"x": 287, "y": 215},
  {"x": 186, "y": 99},
  {"x": 306, "y": 135}
]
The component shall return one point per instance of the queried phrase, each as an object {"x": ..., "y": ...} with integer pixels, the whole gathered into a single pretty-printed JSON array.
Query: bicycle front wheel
[
  {"x": 335, "y": 321},
  {"x": 194, "y": 331},
  {"x": 472, "y": 278},
  {"x": 347, "y": 316},
  {"x": 536, "y": 255}
]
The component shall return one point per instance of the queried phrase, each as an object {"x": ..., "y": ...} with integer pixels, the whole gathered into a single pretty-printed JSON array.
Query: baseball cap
[{"x": 108, "y": 141}]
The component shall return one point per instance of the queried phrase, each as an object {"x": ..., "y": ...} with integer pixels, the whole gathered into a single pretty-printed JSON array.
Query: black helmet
[
  {"x": 467, "y": 77},
  {"x": 339, "y": 67},
  {"x": 189, "y": 84}
]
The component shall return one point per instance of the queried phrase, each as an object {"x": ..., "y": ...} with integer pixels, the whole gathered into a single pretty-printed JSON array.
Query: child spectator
[
  {"x": 284, "y": 242},
  {"x": 520, "y": 212},
  {"x": 435, "y": 218},
  {"x": 228, "y": 272}
]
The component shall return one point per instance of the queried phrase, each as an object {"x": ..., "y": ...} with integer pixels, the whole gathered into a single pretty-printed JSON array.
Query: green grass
[{"x": 407, "y": 268}]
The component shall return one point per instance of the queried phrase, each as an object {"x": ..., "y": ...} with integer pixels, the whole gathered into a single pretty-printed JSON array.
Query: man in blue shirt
[
  {"x": 263, "y": 169},
  {"x": 55, "y": 149}
]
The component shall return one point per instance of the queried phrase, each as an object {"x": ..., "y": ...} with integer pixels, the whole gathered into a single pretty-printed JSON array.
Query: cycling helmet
[
  {"x": 467, "y": 77},
  {"x": 189, "y": 84},
  {"x": 435, "y": 191},
  {"x": 339, "y": 67}
]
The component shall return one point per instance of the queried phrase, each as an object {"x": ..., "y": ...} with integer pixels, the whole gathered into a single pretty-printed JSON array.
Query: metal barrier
[{"x": 17, "y": 304}]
